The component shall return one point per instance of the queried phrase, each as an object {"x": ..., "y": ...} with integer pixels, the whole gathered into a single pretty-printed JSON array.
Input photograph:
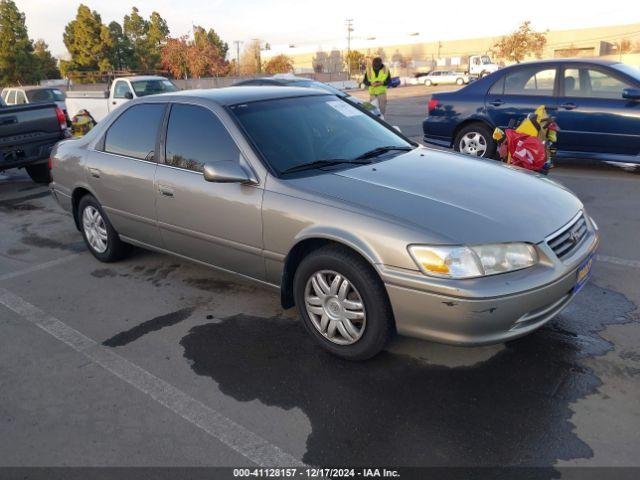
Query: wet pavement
[{"x": 566, "y": 395}]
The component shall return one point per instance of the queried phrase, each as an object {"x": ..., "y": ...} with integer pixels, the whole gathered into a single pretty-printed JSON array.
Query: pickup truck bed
[{"x": 27, "y": 135}]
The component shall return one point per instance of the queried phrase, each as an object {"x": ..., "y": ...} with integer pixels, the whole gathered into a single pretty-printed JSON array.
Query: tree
[
  {"x": 175, "y": 56},
  {"x": 88, "y": 41},
  {"x": 521, "y": 43},
  {"x": 47, "y": 65},
  {"x": 196, "y": 58},
  {"x": 136, "y": 28},
  {"x": 18, "y": 64},
  {"x": 121, "y": 50},
  {"x": 250, "y": 61},
  {"x": 354, "y": 61},
  {"x": 279, "y": 64},
  {"x": 146, "y": 38}
]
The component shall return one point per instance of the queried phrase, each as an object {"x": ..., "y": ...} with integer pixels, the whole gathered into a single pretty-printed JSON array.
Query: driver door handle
[
  {"x": 165, "y": 191},
  {"x": 568, "y": 106},
  {"x": 496, "y": 103}
]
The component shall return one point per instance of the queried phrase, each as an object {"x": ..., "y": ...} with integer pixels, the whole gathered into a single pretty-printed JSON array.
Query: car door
[
  {"x": 216, "y": 223},
  {"x": 593, "y": 116},
  {"x": 121, "y": 94},
  {"x": 519, "y": 91},
  {"x": 121, "y": 171}
]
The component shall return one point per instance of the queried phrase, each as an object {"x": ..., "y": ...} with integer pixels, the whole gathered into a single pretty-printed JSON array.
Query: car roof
[
  {"x": 568, "y": 61},
  {"x": 29, "y": 88},
  {"x": 234, "y": 95}
]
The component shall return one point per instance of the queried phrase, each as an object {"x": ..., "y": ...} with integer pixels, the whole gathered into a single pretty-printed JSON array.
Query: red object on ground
[{"x": 526, "y": 151}]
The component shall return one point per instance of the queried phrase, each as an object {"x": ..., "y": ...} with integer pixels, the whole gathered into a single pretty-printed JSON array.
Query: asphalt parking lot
[{"x": 154, "y": 361}]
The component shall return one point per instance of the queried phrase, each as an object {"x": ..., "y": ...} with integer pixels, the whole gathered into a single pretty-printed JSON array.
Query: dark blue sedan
[{"x": 596, "y": 104}]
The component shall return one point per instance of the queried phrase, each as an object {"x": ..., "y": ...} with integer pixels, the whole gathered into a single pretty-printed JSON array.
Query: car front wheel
[
  {"x": 343, "y": 303},
  {"x": 475, "y": 140},
  {"x": 460, "y": 81},
  {"x": 427, "y": 83},
  {"x": 99, "y": 235}
]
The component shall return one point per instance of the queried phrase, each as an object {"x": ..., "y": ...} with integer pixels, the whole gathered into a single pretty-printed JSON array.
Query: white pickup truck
[{"x": 100, "y": 103}]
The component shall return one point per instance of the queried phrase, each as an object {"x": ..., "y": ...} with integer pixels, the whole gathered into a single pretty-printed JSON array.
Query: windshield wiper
[
  {"x": 321, "y": 163},
  {"x": 380, "y": 150}
]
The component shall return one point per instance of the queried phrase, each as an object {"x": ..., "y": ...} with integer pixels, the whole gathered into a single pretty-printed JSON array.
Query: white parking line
[
  {"x": 38, "y": 267},
  {"x": 619, "y": 261},
  {"x": 250, "y": 445}
]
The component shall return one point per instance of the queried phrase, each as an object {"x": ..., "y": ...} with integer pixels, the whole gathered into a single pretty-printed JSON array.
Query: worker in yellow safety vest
[{"x": 377, "y": 78}]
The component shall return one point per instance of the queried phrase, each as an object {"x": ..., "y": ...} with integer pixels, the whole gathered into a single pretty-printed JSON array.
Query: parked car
[
  {"x": 364, "y": 231},
  {"x": 27, "y": 135},
  {"x": 596, "y": 104},
  {"x": 445, "y": 77},
  {"x": 100, "y": 103},
  {"x": 290, "y": 80},
  {"x": 26, "y": 95},
  {"x": 417, "y": 78}
]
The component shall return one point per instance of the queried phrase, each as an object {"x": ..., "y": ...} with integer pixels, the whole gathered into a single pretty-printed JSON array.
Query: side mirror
[
  {"x": 631, "y": 93},
  {"x": 128, "y": 95},
  {"x": 226, "y": 172}
]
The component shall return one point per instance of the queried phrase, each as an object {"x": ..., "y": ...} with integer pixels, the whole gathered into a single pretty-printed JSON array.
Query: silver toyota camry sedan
[{"x": 364, "y": 231}]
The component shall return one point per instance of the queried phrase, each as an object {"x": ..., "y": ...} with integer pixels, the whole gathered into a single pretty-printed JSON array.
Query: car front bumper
[{"x": 510, "y": 308}]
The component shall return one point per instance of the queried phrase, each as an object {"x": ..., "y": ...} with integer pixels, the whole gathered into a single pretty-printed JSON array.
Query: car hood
[{"x": 456, "y": 198}]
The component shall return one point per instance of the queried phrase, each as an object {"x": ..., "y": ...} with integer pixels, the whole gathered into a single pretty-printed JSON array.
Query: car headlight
[{"x": 473, "y": 261}]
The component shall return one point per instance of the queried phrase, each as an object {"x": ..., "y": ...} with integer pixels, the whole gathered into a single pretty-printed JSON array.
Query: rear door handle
[
  {"x": 95, "y": 173},
  {"x": 568, "y": 106},
  {"x": 165, "y": 191},
  {"x": 496, "y": 103}
]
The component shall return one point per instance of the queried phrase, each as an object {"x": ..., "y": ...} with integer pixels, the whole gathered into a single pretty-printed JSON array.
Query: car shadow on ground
[{"x": 512, "y": 409}]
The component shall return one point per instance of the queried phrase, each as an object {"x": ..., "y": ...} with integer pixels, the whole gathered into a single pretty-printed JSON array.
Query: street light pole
[
  {"x": 237, "y": 42},
  {"x": 349, "y": 30}
]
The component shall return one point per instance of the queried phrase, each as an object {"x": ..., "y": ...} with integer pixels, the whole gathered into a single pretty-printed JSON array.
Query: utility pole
[
  {"x": 349, "y": 30},
  {"x": 237, "y": 42}
]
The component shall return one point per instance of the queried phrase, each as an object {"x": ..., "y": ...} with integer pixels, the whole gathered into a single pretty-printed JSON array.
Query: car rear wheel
[
  {"x": 476, "y": 140},
  {"x": 428, "y": 83},
  {"x": 343, "y": 303},
  {"x": 39, "y": 173},
  {"x": 99, "y": 235},
  {"x": 459, "y": 81}
]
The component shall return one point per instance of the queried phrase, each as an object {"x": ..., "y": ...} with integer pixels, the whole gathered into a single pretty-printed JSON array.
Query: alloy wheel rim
[
  {"x": 95, "y": 229},
  {"x": 473, "y": 143},
  {"x": 335, "y": 307}
]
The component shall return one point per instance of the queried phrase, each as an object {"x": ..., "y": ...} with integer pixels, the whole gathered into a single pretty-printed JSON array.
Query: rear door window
[
  {"x": 530, "y": 81},
  {"x": 195, "y": 136},
  {"x": 134, "y": 133}
]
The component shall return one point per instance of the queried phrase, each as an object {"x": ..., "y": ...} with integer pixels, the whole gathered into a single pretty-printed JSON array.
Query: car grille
[{"x": 567, "y": 239}]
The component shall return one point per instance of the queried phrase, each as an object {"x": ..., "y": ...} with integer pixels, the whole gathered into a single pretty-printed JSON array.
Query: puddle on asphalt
[
  {"x": 157, "y": 323},
  {"x": 511, "y": 407}
]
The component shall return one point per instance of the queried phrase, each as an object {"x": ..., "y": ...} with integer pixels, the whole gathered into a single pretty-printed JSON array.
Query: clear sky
[{"x": 321, "y": 23}]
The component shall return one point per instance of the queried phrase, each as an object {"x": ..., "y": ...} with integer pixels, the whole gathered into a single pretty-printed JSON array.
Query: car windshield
[
  {"x": 290, "y": 132},
  {"x": 45, "y": 95},
  {"x": 485, "y": 60},
  {"x": 628, "y": 69},
  {"x": 153, "y": 87}
]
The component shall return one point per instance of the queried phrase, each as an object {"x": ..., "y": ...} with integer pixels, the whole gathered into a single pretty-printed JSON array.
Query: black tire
[
  {"x": 379, "y": 327},
  {"x": 116, "y": 249},
  {"x": 481, "y": 129},
  {"x": 39, "y": 173},
  {"x": 428, "y": 83}
]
